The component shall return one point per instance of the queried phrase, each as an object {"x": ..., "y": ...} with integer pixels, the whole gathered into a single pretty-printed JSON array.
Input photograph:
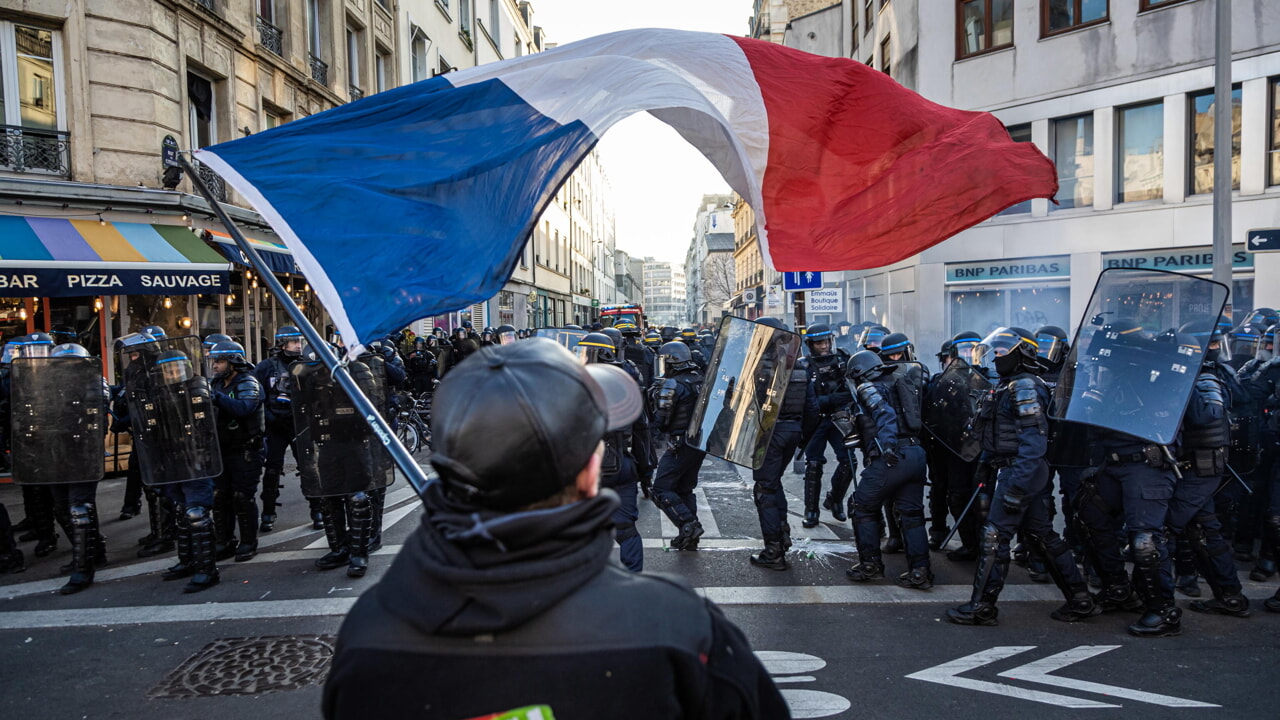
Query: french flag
[{"x": 418, "y": 200}]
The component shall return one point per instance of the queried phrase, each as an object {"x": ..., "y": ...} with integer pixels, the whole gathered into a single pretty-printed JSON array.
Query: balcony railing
[
  {"x": 210, "y": 5},
  {"x": 319, "y": 70},
  {"x": 270, "y": 36},
  {"x": 30, "y": 150},
  {"x": 212, "y": 180}
]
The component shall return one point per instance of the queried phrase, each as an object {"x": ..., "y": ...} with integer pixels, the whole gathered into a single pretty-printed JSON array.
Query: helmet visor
[
  {"x": 1000, "y": 342},
  {"x": 1052, "y": 348}
]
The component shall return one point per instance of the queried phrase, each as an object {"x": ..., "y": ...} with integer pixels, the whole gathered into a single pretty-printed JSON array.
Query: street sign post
[
  {"x": 800, "y": 281},
  {"x": 1263, "y": 240}
]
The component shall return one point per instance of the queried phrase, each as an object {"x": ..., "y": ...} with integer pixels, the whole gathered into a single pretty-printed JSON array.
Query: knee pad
[
  {"x": 82, "y": 515},
  {"x": 197, "y": 515},
  {"x": 813, "y": 466},
  {"x": 990, "y": 539},
  {"x": 1194, "y": 532},
  {"x": 911, "y": 519},
  {"x": 625, "y": 531},
  {"x": 1146, "y": 552},
  {"x": 758, "y": 493},
  {"x": 865, "y": 510},
  {"x": 360, "y": 501}
]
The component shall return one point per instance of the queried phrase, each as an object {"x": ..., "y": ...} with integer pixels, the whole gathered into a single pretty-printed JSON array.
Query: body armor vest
[
  {"x": 1216, "y": 434},
  {"x": 234, "y": 432},
  {"x": 870, "y": 396},
  {"x": 682, "y": 407},
  {"x": 827, "y": 373},
  {"x": 1002, "y": 414},
  {"x": 616, "y": 444},
  {"x": 908, "y": 399},
  {"x": 793, "y": 400}
]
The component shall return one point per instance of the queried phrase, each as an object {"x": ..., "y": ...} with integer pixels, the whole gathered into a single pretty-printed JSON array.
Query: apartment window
[
  {"x": 983, "y": 25},
  {"x": 869, "y": 14},
  {"x": 353, "y": 63},
  {"x": 314, "y": 38},
  {"x": 519, "y": 46},
  {"x": 381, "y": 62},
  {"x": 267, "y": 10},
  {"x": 1200, "y": 154},
  {"x": 273, "y": 120},
  {"x": 1019, "y": 133},
  {"x": 444, "y": 65},
  {"x": 1140, "y": 152},
  {"x": 856, "y": 34},
  {"x": 464, "y": 17},
  {"x": 1073, "y": 154},
  {"x": 418, "y": 55},
  {"x": 201, "y": 116},
  {"x": 29, "y": 81},
  {"x": 1155, "y": 4},
  {"x": 885, "y": 55},
  {"x": 1062, "y": 15},
  {"x": 1273, "y": 155},
  {"x": 495, "y": 17}
]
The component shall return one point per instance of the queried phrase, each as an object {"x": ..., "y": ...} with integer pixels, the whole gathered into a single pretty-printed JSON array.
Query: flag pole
[{"x": 412, "y": 471}]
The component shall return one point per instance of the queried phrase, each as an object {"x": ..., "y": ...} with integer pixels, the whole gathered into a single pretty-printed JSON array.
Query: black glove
[
  {"x": 891, "y": 459},
  {"x": 1012, "y": 502}
]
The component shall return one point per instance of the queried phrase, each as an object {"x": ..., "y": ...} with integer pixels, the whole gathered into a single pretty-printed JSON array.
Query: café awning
[
  {"x": 61, "y": 257},
  {"x": 274, "y": 254}
]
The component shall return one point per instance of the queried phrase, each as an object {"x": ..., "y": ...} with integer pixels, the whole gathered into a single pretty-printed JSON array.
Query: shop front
[
  {"x": 1022, "y": 292},
  {"x": 1192, "y": 261}
]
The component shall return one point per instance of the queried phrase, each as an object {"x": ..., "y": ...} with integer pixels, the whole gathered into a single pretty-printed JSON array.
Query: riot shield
[
  {"x": 175, "y": 437},
  {"x": 333, "y": 436},
  {"x": 1118, "y": 376},
  {"x": 58, "y": 410},
  {"x": 747, "y": 375},
  {"x": 950, "y": 405},
  {"x": 567, "y": 338}
]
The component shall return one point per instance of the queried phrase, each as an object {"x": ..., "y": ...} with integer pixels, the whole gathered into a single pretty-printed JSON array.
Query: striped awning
[
  {"x": 59, "y": 257},
  {"x": 274, "y": 254}
]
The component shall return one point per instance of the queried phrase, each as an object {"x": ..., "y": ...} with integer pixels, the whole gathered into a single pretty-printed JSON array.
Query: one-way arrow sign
[
  {"x": 1263, "y": 240},
  {"x": 1039, "y": 672}
]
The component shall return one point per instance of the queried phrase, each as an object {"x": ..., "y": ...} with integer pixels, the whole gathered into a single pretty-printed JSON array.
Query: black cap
[{"x": 513, "y": 424}]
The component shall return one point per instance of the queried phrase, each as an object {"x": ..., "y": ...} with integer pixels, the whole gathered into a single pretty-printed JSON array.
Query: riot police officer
[
  {"x": 689, "y": 337},
  {"x": 422, "y": 367},
  {"x": 274, "y": 378},
  {"x": 463, "y": 343},
  {"x": 238, "y": 408},
  {"x": 1014, "y": 430},
  {"x": 505, "y": 335},
  {"x": 895, "y": 470},
  {"x": 673, "y": 398},
  {"x": 628, "y": 456},
  {"x": 963, "y": 483},
  {"x": 897, "y": 351},
  {"x": 798, "y": 418},
  {"x": 43, "y": 512},
  {"x": 637, "y": 351},
  {"x": 826, "y": 369},
  {"x": 872, "y": 336},
  {"x": 1205, "y": 439}
]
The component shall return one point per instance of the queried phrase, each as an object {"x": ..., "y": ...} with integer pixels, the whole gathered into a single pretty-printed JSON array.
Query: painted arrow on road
[{"x": 1039, "y": 671}]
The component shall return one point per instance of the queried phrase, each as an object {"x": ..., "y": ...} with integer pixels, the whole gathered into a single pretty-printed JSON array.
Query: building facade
[
  {"x": 709, "y": 265},
  {"x": 664, "y": 290}
]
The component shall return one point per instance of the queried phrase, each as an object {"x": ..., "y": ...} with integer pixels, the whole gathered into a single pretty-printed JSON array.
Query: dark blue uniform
[
  {"x": 237, "y": 403},
  {"x": 797, "y": 419},
  {"x": 826, "y": 373},
  {"x": 628, "y": 456},
  {"x": 273, "y": 375},
  {"x": 674, "y": 398}
]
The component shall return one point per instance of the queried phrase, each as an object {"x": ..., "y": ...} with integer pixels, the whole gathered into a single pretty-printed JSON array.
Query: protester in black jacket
[{"x": 506, "y": 598}]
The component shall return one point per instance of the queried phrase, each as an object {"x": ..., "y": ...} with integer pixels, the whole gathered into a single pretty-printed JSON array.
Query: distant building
[{"x": 664, "y": 293}]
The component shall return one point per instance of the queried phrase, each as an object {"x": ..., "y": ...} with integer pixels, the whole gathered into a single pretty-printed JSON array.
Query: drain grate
[{"x": 249, "y": 666}]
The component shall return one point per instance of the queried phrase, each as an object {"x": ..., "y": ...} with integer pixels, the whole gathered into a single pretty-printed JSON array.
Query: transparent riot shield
[
  {"x": 1117, "y": 376},
  {"x": 950, "y": 405},
  {"x": 333, "y": 436},
  {"x": 175, "y": 436},
  {"x": 58, "y": 409},
  {"x": 747, "y": 375},
  {"x": 567, "y": 338}
]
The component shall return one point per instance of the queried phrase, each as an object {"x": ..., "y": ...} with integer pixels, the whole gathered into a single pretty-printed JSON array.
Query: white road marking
[
  {"x": 948, "y": 674},
  {"x": 708, "y": 519},
  {"x": 1038, "y": 672},
  {"x": 388, "y": 519},
  {"x": 202, "y": 612}
]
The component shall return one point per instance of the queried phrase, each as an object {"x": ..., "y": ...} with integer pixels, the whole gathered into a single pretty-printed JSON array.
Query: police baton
[
  {"x": 1235, "y": 475},
  {"x": 976, "y": 491}
]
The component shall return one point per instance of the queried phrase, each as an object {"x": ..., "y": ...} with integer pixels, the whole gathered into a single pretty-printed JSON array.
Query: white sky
[{"x": 657, "y": 178}]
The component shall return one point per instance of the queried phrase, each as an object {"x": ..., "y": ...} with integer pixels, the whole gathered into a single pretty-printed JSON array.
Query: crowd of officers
[{"x": 1177, "y": 512}]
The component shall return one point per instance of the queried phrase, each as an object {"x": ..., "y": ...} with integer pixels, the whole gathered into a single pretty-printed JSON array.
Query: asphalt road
[{"x": 258, "y": 644}]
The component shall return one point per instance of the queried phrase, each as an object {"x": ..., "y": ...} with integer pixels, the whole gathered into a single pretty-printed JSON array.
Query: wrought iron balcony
[
  {"x": 212, "y": 180},
  {"x": 319, "y": 70},
  {"x": 271, "y": 37},
  {"x": 356, "y": 93},
  {"x": 24, "y": 149},
  {"x": 210, "y": 5}
]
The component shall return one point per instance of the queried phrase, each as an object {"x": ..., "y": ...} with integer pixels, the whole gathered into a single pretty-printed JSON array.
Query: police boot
[
  {"x": 317, "y": 513},
  {"x": 773, "y": 557},
  {"x": 812, "y": 486},
  {"x": 1080, "y": 605},
  {"x": 152, "y": 519},
  {"x": 270, "y": 497},
  {"x": 865, "y": 571},
  {"x": 11, "y": 559},
  {"x": 1155, "y": 623},
  {"x": 688, "y": 537},
  {"x": 224, "y": 524},
  {"x": 919, "y": 578},
  {"x": 988, "y": 581},
  {"x": 361, "y": 516},
  {"x": 185, "y": 566},
  {"x": 40, "y": 510},
  {"x": 1272, "y": 604},
  {"x": 84, "y": 535},
  {"x": 165, "y": 521},
  {"x": 202, "y": 551},
  {"x": 1234, "y": 604},
  {"x": 334, "y": 515},
  {"x": 378, "y": 499},
  {"x": 247, "y": 517},
  {"x": 1265, "y": 569},
  {"x": 97, "y": 543},
  {"x": 834, "y": 500},
  {"x": 893, "y": 545}
]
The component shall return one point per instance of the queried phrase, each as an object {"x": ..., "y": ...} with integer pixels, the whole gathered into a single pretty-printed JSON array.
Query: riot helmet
[
  {"x": 1010, "y": 350},
  {"x": 872, "y": 336},
  {"x": 37, "y": 345},
  {"x": 571, "y": 326},
  {"x": 668, "y": 333},
  {"x": 689, "y": 336},
  {"x": 13, "y": 350},
  {"x": 897, "y": 344},
  {"x": 628, "y": 329},
  {"x": 614, "y": 335},
  {"x": 1186, "y": 344},
  {"x": 1246, "y": 341},
  {"x": 673, "y": 357},
  {"x": 506, "y": 334},
  {"x": 944, "y": 354},
  {"x": 653, "y": 339},
  {"x": 1263, "y": 317},
  {"x": 459, "y": 333},
  {"x": 174, "y": 367},
  {"x": 843, "y": 328},
  {"x": 62, "y": 334},
  {"x": 772, "y": 322},
  {"x": 155, "y": 331},
  {"x": 864, "y": 366},
  {"x": 965, "y": 347},
  {"x": 819, "y": 340},
  {"x": 289, "y": 339},
  {"x": 1053, "y": 344},
  {"x": 229, "y": 351},
  {"x": 1208, "y": 334},
  {"x": 1269, "y": 342},
  {"x": 69, "y": 350},
  {"x": 213, "y": 339},
  {"x": 596, "y": 347},
  {"x": 486, "y": 336}
]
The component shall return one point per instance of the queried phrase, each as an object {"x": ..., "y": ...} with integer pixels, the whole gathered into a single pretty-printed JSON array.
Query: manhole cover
[{"x": 249, "y": 666}]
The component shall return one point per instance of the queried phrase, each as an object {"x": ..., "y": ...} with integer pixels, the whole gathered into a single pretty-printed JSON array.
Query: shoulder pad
[
  {"x": 870, "y": 396},
  {"x": 1210, "y": 389},
  {"x": 803, "y": 363},
  {"x": 1026, "y": 396}
]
